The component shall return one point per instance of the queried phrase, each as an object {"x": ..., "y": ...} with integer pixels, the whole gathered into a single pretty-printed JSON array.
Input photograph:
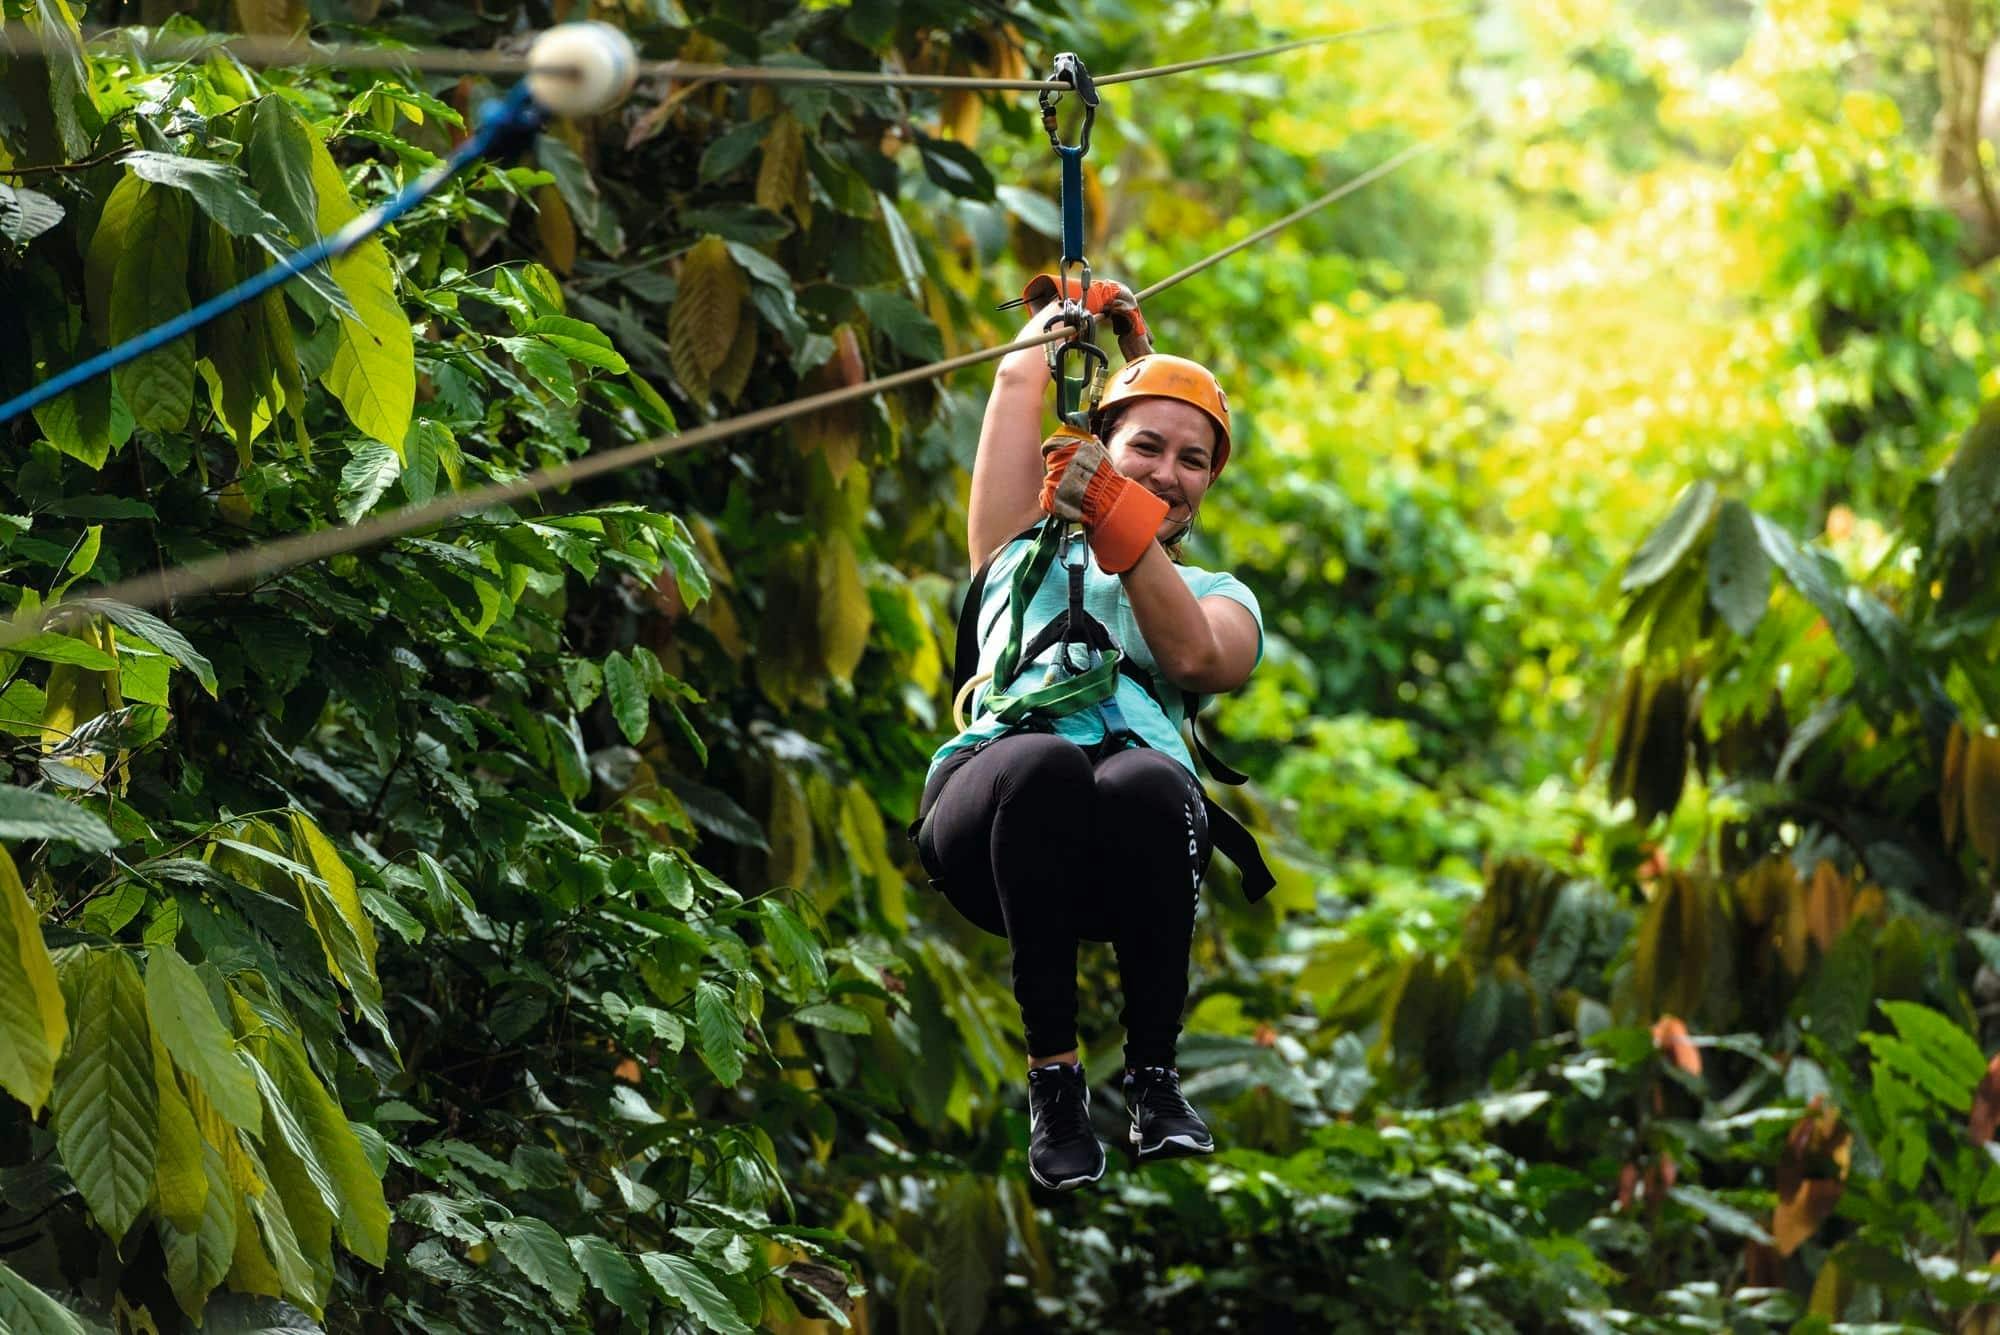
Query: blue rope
[
  {"x": 1072, "y": 202},
  {"x": 507, "y": 124}
]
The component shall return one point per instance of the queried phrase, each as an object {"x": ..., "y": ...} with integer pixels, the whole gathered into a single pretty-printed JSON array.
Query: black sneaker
[
  {"x": 1164, "y": 1126},
  {"x": 1062, "y": 1149}
]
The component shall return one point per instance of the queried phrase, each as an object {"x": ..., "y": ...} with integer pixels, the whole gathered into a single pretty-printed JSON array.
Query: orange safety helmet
[{"x": 1160, "y": 375}]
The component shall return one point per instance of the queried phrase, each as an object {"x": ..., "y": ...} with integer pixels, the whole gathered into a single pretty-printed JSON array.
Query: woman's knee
[
  {"x": 1142, "y": 781},
  {"x": 1040, "y": 765}
]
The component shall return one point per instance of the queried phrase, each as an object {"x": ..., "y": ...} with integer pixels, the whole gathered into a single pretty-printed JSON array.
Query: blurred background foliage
[{"x": 1616, "y": 484}]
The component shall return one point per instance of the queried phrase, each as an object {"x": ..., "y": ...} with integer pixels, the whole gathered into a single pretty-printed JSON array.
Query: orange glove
[
  {"x": 1112, "y": 300},
  {"x": 1119, "y": 516}
]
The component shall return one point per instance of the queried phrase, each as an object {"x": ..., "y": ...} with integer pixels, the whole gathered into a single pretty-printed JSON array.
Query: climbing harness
[{"x": 1088, "y": 659}]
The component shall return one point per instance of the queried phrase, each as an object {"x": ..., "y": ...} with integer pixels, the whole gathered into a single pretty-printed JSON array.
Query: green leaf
[
  {"x": 718, "y": 1032},
  {"x": 26, "y": 1310},
  {"x": 357, "y": 1201},
  {"x": 797, "y": 952},
  {"x": 199, "y": 1257},
  {"x": 334, "y": 909},
  {"x": 25, "y": 214},
  {"x": 1968, "y": 498},
  {"x": 370, "y": 470},
  {"x": 245, "y": 1314},
  {"x": 540, "y": 1253},
  {"x": 686, "y": 1281},
  {"x": 1037, "y": 210},
  {"x": 373, "y": 372},
  {"x": 148, "y": 289},
  {"x": 180, "y": 1175},
  {"x": 51, "y": 647},
  {"x": 1955, "y": 1053},
  {"x": 27, "y": 815},
  {"x": 156, "y": 633},
  {"x": 194, "y": 1035},
  {"x": 111, "y": 239},
  {"x": 954, "y": 167},
  {"x": 104, "y": 1104},
  {"x": 613, "y": 1275},
  {"x": 832, "y": 1015},
  {"x": 671, "y": 875},
  {"x": 218, "y": 188},
  {"x": 1720, "y": 1213},
  {"x": 113, "y": 731},
  {"x": 33, "y": 1021},
  {"x": 575, "y": 184},
  {"x": 578, "y": 341},
  {"x": 907, "y": 328},
  {"x": 629, "y": 703},
  {"x": 1666, "y": 545}
]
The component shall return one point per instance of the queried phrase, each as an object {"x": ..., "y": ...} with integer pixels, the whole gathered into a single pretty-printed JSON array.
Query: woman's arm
[
  {"x": 1007, "y": 472},
  {"x": 1207, "y": 645}
]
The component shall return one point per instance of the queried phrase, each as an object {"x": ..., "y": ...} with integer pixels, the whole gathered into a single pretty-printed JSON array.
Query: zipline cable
[
  {"x": 229, "y": 569},
  {"x": 270, "y": 52}
]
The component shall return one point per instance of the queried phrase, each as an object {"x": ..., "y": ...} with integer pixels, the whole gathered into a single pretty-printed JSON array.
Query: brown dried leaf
[
  {"x": 1670, "y": 1037},
  {"x": 1985, "y": 1118},
  {"x": 1951, "y": 786},
  {"x": 1800, "y": 1214},
  {"x": 701, "y": 328},
  {"x": 1982, "y": 795},
  {"x": 1829, "y": 905},
  {"x": 781, "y": 176}
]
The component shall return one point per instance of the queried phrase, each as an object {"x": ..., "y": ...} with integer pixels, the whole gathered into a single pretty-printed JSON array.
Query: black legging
[{"x": 1033, "y": 840}]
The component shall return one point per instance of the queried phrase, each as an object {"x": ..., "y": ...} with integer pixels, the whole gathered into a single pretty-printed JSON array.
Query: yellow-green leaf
[
  {"x": 108, "y": 243},
  {"x": 845, "y": 615},
  {"x": 148, "y": 288},
  {"x": 104, "y": 1103},
  {"x": 201, "y": 1254},
  {"x": 373, "y": 373},
  {"x": 33, "y": 1020},
  {"x": 333, "y": 907},
  {"x": 196, "y": 1039},
  {"x": 360, "y": 1207},
  {"x": 181, "y": 1183}
]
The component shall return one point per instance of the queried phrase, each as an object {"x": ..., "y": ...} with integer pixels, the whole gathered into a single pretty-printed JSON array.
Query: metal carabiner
[
  {"x": 1069, "y": 71},
  {"x": 1077, "y": 396}
]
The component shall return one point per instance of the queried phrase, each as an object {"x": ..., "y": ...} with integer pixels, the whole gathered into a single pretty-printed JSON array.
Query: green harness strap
[{"x": 1094, "y": 687}]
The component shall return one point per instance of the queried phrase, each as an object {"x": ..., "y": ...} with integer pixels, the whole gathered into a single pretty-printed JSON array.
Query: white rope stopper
[{"x": 581, "y": 69}]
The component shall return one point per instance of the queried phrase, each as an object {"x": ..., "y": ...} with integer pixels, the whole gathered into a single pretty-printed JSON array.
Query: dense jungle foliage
[{"x": 510, "y": 928}]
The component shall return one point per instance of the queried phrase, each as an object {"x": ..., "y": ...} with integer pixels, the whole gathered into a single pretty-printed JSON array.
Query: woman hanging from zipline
[{"x": 1069, "y": 810}]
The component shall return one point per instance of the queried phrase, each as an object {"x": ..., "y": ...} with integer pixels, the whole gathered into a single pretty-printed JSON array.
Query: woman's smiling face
[{"x": 1167, "y": 447}]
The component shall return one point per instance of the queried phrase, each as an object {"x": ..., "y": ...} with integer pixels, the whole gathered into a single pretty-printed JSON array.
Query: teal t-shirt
[{"x": 1157, "y": 724}]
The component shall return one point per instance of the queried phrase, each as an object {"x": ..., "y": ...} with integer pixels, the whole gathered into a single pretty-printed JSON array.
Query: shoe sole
[
  {"x": 1173, "y": 1147},
  {"x": 1068, "y": 1183}
]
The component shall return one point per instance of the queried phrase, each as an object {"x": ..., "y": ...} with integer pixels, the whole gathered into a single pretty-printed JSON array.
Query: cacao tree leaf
[
  {"x": 1739, "y": 573},
  {"x": 156, "y": 633},
  {"x": 781, "y": 176},
  {"x": 26, "y": 214},
  {"x": 370, "y": 470},
  {"x": 181, "y": 1180},
  {"x": 200, "y": 1255},
  {"x": 718, "y": 1033},
  {"x": 1666, "y": 545},
  {"x": 685, "y": 1281},
  {"x": 195, "y": 1038},
  {"x": 149, "y": 288},
  {"x": 613, "y": 1275},
  {"x": 797, "y": 952},
  {"x": 629, "y": 704},
  {"x": 31, "y": 815},
  {"x": 104, "y": 1104},
  {"x": 540, "y": 1254},
  {"x": 33, "y": 1019},
  {"x": 702, "y": 324},
  {"x": 246, "y": 1314},
  {"x": 26, "y": 1310},
  {"x": 217, "y": 188},
  {"x": 1980, "y": 800},
  {"x": 373, "y": 371},
  {"x": 1968, "y": 498}
]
